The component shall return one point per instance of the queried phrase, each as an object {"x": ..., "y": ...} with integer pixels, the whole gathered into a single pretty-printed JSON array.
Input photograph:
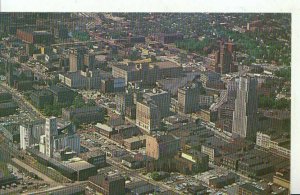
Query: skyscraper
[
  {"x": 188, "y": 98},
  {"x": 123, "y": 101},
  {"x": 76, "y": 59},
  {"x": 50, "y": 131},
  {"x": 245, "y": 112},
  {"x": 147, "y": 115},
  {"x": 225, "y": 57},
  {"x": 30, "y": 134}
]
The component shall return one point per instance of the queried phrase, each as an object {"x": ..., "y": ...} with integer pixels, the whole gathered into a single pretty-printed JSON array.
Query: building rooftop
[
  {"x": 253, "y": 189},
  {"x": 93, "y": 153},
  {"x": 41, "y": 32},
  {"x": 104, "y": 127},
  {"x": 6, "y": 105},
  {"x": 166, "y": 64},
  {"x": 78, "y": 164},
  {"x": 42, "y": 92},
  {"x": 155, "y": 92},
  {"x": 135, "y": 139},
  {"x": 59, "y": 88},
  {"x": 131, "y": 66},
  {"x": 165, "y": 138},
  {"x": 99, "y": 179},
  {"x": 141, "y": 187}
]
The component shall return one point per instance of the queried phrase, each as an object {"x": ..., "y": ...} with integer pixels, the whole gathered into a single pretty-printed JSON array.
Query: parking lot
[{"x": 25, "y": 182}]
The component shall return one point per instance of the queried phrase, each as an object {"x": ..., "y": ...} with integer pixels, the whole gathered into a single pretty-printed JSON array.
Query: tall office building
[
  {"x": 245, "y": 112},
  {"x": 188, "y": 98},
  {"x": 225, "y": 57},
  {"x": 76, "y": 59},
  {"x": 123, "y": 101},
  {"x": 89, "y": 60},
  {"x": 162, "y": 99},
  {"x": 50, "y": 132},
  {"x": 147, "y": 115}
]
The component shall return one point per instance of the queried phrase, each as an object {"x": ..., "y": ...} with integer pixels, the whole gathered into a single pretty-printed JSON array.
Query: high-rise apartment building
[
  {"x": 245, "y": 113},
  {"x": 147, "y": 115}
]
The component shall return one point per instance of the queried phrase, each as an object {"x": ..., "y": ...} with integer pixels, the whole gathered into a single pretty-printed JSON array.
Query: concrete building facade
[
  {"x": 245, "y": 119},
  {"x": 147, "y": 115}
]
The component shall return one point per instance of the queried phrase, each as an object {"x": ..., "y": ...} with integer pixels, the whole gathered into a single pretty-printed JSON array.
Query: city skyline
[{"x": 143, "y": 103}]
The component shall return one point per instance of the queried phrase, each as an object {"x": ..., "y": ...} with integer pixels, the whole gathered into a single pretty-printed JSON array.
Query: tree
[
  {"x": 91, "y": 102},
  {"x": 284, "y": 72},
  {"x": 78, "y": 101},
  {"x": 155, "y": 176}
]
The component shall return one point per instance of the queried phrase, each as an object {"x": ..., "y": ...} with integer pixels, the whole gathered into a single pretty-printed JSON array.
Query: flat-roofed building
[
  {"x": 162, "y": 146},
  {"x": 83, "y": 169},
  {"x": 62, "y": 94},
  {"x": 86, "y": 114},
  {"x": 168, "y": 38},
  {"x": 277, "y": 144},
  {"x": 135, "y": 142},
  {"x": 90, "y": 79},
  {"x": 34, "y": 36},
  {"x": 191, "y": 162},
  {"x": 147, "y": 115},
  {"x": 147, "y": 72},
  {"x": 7, "y": 108},
  {"x": 41, "y": 98},
  {"x": 108, "y": 184},
  {"x": 95, "y": 157},
  {"x": 136, "y": 72},
  {"x": 162, "y": 99},
  {"x": 188, "y": 98},
  {"x": 168, "y": 69}
]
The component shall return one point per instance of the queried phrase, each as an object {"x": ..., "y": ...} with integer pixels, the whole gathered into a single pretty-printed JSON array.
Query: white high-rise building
[
  {"x": 245, "y": 120},
  {"x": 30, "y": 134},
  {"x": 58, "y": 138},
  {"x": 50, "y": 132},
  {"x": 70, "y": 141}
]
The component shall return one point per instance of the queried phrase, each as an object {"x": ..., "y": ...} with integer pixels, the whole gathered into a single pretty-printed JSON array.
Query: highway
[
  {"x": 30, "y": 169},
  {"x": 76, "y": 184}
]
